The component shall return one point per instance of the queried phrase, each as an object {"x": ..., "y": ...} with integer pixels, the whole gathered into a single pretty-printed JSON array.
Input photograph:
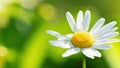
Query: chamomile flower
[{"x": 81, "y": 40}]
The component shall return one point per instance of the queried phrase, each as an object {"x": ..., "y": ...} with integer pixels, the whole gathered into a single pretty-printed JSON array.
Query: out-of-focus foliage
[{"x": 23, "y": 38}]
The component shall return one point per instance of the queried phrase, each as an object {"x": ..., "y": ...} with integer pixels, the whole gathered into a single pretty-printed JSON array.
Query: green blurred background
[{"x": 23, "y": 38}]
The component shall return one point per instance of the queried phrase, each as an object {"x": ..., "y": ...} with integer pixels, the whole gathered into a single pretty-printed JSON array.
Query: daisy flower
[{"x": 83, "y": 39}]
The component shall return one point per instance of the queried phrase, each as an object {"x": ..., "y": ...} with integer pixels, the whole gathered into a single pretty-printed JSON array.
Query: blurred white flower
[
  {"x": 29, "y": 4},
  {"x": 83, "y": 40}
]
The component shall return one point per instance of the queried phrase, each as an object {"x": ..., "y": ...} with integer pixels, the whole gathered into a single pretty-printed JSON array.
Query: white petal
[
  {"x": 71, "y": 22},
  {"x": 109, "y": 25},
  {"x": 106, "y": 32},
  {"x": 105, "y": 28},
  {"x": 98, "y": 25},
  {"x": 69, "y": 36},
  {"x": 107, "y": 41},
  {"x": 86, "y": 21},
  {"x": 91, "y": 53},
  {"x": 115, "y": 28},
  {"x": 112, "y": 40},
  {"x": 107, "y": 36},
  {"x": 66, "y": 45},
  {"x": 66, "y": 37},
  {"x": 79, "y": 20},
  {"x": 61, "y": 44},
  {"x": 71, "y": 52},
  {"x": 54, "y": 33},
  {"x": 102, "y": 46},
  {"x": 55, "y": 42}
]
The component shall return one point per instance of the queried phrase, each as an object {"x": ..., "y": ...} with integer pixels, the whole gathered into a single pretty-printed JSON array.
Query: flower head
[{"x": 99, "y": 37}]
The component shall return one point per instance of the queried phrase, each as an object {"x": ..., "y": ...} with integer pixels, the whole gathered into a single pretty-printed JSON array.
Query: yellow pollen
[{"x": 82, "y": 39}]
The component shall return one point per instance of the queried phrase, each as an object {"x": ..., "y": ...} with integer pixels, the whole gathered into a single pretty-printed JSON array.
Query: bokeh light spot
[
  {"x": 3, "y": 51},
  {"x": 47, "y": 11}
]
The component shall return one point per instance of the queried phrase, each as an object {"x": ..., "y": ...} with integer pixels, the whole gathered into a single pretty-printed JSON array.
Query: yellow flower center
[{"x": 82, "y": 39}]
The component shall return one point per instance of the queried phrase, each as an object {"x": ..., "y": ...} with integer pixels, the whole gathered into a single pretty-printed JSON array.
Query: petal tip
[
  {"x": 111, "y": 46},
  {"x": 92, "y": 57},
  {"x": 88, "y": 11},
  {"x": 48, "y": 31},
  {"x": 63, "y": 55},
  {"x": 80, "y": 11},
  {"x": 103, "y": 19},
  {"x": 115, "y": 22},
  {"x": 68, "y": 13}
]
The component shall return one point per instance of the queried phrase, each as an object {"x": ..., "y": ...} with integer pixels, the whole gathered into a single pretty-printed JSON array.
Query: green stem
[{"x": 83, "y": 62}]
